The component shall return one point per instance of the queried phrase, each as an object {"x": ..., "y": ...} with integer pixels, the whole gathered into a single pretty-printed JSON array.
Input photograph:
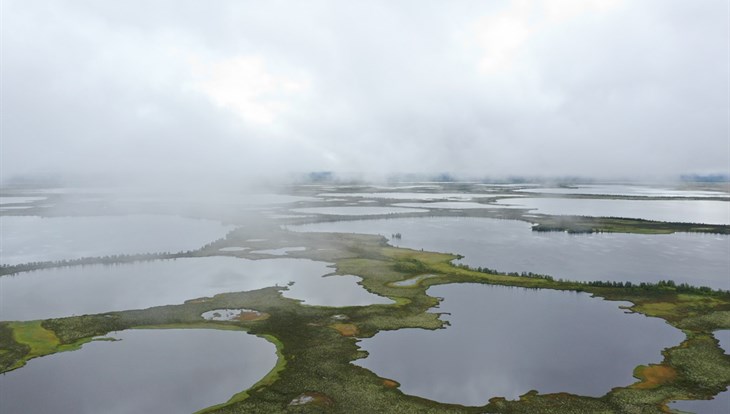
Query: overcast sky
[{"x": 173, "y": 88}]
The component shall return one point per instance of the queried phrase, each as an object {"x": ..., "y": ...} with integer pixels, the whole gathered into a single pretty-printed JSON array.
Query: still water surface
[
  {"x": 357, "y": 211},
  {"x": 626, "y": 190},
  {"x": 508, "y": 245},
  {"x": 507, "y": 341},
  {"x": 31, "y": 238},
  {"x": 147, "y": 371},
  {"x": 78, "y": 290},
  {"x": 683, "y": 211}
]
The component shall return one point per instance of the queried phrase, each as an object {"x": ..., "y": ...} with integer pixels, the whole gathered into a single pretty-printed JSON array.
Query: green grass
[{"x": 314, "y": 358}]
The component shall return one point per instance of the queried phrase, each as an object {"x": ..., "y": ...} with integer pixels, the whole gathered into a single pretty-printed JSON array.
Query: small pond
[
  {"x": 407, "y": 196},
  {"x": 145, "y": 371},
  {"x": 507, "y": 341},
  {"x": 19, "y": 199},
  {"x": 413, "y": 281},
  {"x": 233, "y": 315},
  {"x": 233, "y": 249},
  {"x": 458, "y": 205},
  {"x": 32, "y": 238},
  {"x": 683, "y": 211},
  {"x": 283, "y": 251},
  {"x": 78, "y": 290},
  {"x": 509, "y": 245},
  {"x": 357, "y": 211}
]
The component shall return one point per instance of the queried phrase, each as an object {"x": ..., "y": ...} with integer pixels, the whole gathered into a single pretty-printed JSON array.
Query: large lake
[
  {"x": 357, "y": 211},
  {"x": 508, "y": 245},
  {"x": 626, "y": 190},
  {"x": 683, "y": 211},
  {"x": 507, "y": 341},
  {"x": 78, "y": 290},
  {"x": 31, "y": 238},
  {"x": 147, "y": 371}
]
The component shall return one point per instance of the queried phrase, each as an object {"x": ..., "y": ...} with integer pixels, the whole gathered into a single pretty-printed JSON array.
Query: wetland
[{"x": 423, "y": 319}]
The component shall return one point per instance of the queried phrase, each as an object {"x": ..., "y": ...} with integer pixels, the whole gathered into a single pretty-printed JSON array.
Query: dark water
[
  {"x": 357, "y": 211},
  {"x": 508, "y": 245},
  {"x": 78, "y": 290},
  {"x": 720, "y": 404},
  {"x": 724, "y": 338},
  {"x": 148, "y": 371},
  {"x": 627, "y": 190},
  {"x": 506, "y": 341},
  {"x": 684, "y": 211},
  {"x": 31, "y": 238}
]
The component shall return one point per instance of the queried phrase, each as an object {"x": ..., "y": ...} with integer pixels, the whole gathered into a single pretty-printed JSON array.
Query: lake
[
  {"x": 78, "y": 290},
  {"x": 31, "y": 238},
  {"x": 510, "y": 245},
  {"x": 357, "y": 211},
  {"x": 409, "y": 195},
  {"x": 683, "y": 211},
  {"x": 626, "y": 190},
  {"x": 505, "y": 341},
  {"x": 145, "y": 371}
]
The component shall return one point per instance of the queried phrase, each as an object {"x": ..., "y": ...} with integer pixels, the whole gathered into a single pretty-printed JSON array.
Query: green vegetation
[
  {"x": 316, "y": 345},
  {"x": 581, "y": 224}
]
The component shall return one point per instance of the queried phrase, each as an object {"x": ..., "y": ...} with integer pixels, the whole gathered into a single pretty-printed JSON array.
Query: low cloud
[{"x": 186, "y": 90}]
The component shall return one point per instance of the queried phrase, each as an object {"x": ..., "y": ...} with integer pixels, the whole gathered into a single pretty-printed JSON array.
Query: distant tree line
[
  {"x": 497, "y": 272},
  {"x": 662, "y": 285},
  {"x": 6, "y": 269}
]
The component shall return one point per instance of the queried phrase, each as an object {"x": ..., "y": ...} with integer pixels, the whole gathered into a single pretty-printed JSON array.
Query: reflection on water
[
  {"x": 280, "y": 251},
  {"x": 626, "y": 190},
  {"x": 506, "y": 341},
  {"x": 412, "y": 281},
  {"x": 31, "y": 238},
  {"x": 683, "y": 211},
  {"x": 148, "y": 371},
  {"x": 357, "y": 211},
  {"x": 720, "y": 404},
  {"x": 507, "y": 245},
  {"x": 19, "y": 200},
  {"x": 724, "y": 338},
  {"x": 78, "y": 290},
  {"x": 408, "y": 195},
  {"x": 458, "y": 205}
]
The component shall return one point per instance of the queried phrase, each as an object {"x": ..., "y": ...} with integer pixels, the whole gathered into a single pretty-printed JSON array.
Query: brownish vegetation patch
[
  {"x": 390, "y": 383},
  {"x": 313, "y": 398},
  {"x": 346, "y": 329},
  {"x": 249, "y": 316},
  {"x": 653, "y": 376}
]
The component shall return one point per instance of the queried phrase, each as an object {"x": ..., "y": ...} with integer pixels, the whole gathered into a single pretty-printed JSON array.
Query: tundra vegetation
[{"x": 316, "y": 345}]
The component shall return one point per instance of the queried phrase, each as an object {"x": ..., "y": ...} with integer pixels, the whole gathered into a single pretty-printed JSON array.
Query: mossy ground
[{"x": 316, "y": 345}]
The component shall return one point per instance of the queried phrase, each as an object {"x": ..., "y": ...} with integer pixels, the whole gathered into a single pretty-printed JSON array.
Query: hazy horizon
[{"x": 172, "y": 92}]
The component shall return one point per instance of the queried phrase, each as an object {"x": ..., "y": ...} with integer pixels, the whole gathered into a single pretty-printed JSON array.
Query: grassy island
[{"x": 316, "y": 345}]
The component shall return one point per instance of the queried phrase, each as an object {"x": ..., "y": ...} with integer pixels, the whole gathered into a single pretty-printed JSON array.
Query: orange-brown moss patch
[
  {"x": 653, "y": 376},
  {"x": 346, "y": 329},
  {"x": 250, "y": 316},
  {"x": 390, "y": 383}
]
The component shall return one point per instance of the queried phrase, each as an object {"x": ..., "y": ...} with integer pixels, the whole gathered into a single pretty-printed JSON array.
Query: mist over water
[
  {"x": 214, "y": 128},
  {"x": 511, "y": 246},
  {"x": 181, "y": 370},
  {"x": 200, "y": 95}
]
